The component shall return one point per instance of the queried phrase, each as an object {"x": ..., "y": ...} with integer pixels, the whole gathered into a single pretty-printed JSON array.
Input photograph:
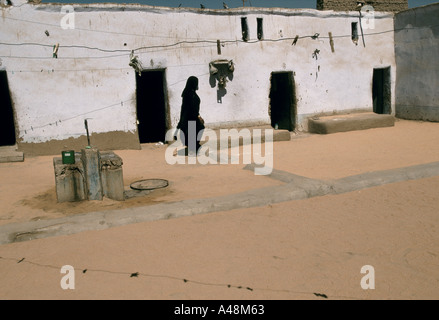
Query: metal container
[{"x": 68, "y": 157}]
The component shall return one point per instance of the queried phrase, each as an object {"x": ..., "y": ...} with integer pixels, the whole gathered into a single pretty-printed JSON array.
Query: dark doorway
[
  {"x": 381, "y": 93},
  {"x": 7, "y": 126},
  {"x": 283, "y": 101},
  {"x": 151, "y": 106}
]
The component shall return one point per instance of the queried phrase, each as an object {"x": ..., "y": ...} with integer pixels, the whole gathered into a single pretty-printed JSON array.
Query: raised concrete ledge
[
  {"x": 278, "y": 134},
  {"x": 296, "y": 188},
  {"x": 349, "y": 122},
  {"x": 10, "y": 154},
  {"x": 379, "y": 178}
]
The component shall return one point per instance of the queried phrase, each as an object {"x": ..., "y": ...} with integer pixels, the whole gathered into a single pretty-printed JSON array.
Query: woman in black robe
[{"x": 190, "y": 111}]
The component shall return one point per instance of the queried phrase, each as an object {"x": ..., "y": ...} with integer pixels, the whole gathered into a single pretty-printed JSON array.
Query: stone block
[
  {"x": 69, "y": 180},
  {"x": 91, "y": 161},
  {"x": 281, "y": 135},
  {"x": 93, "y": 175},
  {"x": 112, "y": 176},
  {"x": 10, "y": 154},
  {"x": 350, "y": 122}
]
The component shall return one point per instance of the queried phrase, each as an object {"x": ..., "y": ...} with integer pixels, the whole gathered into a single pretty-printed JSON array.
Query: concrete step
[
  {"x": 349, "y": 122},
  {"x": 10, "y": 154},
  {"x": 278, "y": 134}
]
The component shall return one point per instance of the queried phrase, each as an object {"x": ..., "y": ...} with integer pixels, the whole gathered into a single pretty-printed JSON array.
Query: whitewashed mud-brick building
[{"x": 123, "y": 67}]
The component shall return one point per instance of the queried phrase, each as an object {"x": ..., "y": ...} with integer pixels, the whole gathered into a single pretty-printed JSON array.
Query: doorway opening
[
  {"x": 152, "y": 106},
  {"x": 283, "y": 109},
  {"x": 381, "y": 92},
  {"x": 7, "y": 125}
]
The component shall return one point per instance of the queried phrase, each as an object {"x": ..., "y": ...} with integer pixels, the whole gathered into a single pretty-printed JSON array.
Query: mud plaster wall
[
  {"x": 378, "y": 5},
  {"x": 417, "y": 48},
  {"x": 116, "y": 140},
  {"x": 91, "y": 77}
]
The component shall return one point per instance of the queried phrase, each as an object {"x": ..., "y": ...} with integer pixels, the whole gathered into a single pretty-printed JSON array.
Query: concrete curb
[
  {"x": 378, "y": 178},
  {"x": 296, "y": 188}
]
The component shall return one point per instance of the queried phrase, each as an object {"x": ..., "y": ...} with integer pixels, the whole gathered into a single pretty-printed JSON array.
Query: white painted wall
[{"x": 52, "y": 97}]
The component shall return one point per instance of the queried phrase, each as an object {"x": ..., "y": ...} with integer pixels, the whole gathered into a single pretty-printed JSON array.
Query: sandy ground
[{"x": 288, "y": 250}]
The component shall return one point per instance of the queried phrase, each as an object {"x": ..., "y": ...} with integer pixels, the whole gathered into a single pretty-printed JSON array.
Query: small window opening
[
  {"x": 260, "y": 28},
  {"x": 244, "y": 28},
  {"x": 354, "y": 28}
]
